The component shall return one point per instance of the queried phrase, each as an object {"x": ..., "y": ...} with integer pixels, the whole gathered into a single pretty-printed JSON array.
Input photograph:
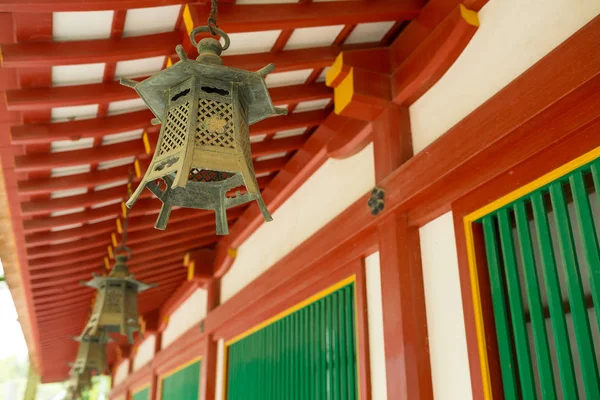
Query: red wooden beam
[
  {"x": 86, "y": 231},
  {"x": 94, "y": 128},
  {"x": 430, "y": 61},
  {"x": 48, "y": 6},
  {"x": 255, "y": 17},
  {"x": 45, "y": 186},
  {"x": 28, "y": 54},
  {"x": 104, "y": 93},
  {"x": 98, "y": 127},
  {"x": 91, "y": 255},
  {"x": 44, "y": 162}
]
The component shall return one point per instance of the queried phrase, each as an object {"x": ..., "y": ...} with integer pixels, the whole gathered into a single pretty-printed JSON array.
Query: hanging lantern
[
  {"x": 92, "y": 353},
  {"x": 78, "y": 381},
  {"x": 203, "y": 150},
  {"x": 116, "y": 306}
]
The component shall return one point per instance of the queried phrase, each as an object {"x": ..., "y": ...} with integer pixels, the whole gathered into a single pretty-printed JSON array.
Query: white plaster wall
[
  {"x": 375, "y": 318},
  {"x": 190, "y": 313},
  {"x": 514, "y": 35},
  {"x": 328, "y": 192},
  {"x": 220, "y": 369},
  {"x": 445, "y": 317},
  {"x": 145, "y": 352},
  {"x": 122, "y": 372}
]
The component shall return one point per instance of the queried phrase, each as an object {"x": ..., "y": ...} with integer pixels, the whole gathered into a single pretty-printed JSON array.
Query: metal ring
[
  {"x": 124, "y": 248},
  {"x": 207, "y": 29}
]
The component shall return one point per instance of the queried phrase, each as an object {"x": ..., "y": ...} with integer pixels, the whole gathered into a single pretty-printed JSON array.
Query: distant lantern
[
  {"x": 92, "y": 353},
  {"x": 203, "y": 150},
  {"x": 78, "y": 381},
  {"x": 116, "y": 306}
]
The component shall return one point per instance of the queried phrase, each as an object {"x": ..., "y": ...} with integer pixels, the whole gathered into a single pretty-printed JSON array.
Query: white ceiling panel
[
  {"x": 288, "y": 78},
  {"x": 371, "y": 32},
  {"x": 110, "y": 185},
  {"x": 81, "y": 74},
  {"x": 271, "y": 156},
  {"x": 318, "y": 36},
  {"x": 139, "y": 67},
  {"x": 146, "y": 21},
  {"x": 123, "y": 136},
  {"x": 116, "y": 163},
  {"x": 252, "y": 42},
  {"x": 312, "y": 105},
  {"x": 289, "y": 133},
  {"x": 67, "y": 212},
  {"x": 68, "y": 145},
  {"x": 321, "y": 77},
  {"x": 258, "y": 138},
  {"x": 81, "y": 25},
  {"x": 67, "y": 171},
  {"x": 105, "y": 204},
  {"x": 67, "y": 193},
  {"x": 125, "y": 106},
  {"x": 61, "y": 114},
  {"x": 65, "y": 227}
]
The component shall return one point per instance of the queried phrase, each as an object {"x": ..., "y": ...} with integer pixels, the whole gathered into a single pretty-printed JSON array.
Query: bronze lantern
[
  {"x": 116, "y": 306},
  {"x": 203, "y": 150},
  {"x": 92, "y": 353}
]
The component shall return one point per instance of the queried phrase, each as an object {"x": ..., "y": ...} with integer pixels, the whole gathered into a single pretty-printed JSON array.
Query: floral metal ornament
[{"x": 203, "y": 150}]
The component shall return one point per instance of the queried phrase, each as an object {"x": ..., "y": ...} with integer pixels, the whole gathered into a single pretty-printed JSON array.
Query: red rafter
[{"x": 88, "y": 51}]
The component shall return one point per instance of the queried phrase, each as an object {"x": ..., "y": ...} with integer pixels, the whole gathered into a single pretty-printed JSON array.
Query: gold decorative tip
[
  {"x": 111, "y": 254},
  {"x": 136, "y": 165},
  {"x": 119, "y": 226},
  {"x": 113, "y": 236},
  {"x": 186, "y": 259},
  {"x": 123, "y": 209},
  {"x": 231, "y": 252},
  {"x": 191, "y": 268},
  {"x": 146, "y": 143},
  {"x": 470, "y": 16}
]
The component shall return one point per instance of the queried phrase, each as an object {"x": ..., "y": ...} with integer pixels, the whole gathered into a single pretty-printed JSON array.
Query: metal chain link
[{"x": 213, "y": 16}]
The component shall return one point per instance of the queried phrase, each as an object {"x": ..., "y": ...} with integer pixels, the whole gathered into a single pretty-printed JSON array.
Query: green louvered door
[
  {"x": 143, "y": 394},
  {"x": 309, "y": 354},
  {"x": 183, "y": 384},
  {"x": 544, "y": 266}
]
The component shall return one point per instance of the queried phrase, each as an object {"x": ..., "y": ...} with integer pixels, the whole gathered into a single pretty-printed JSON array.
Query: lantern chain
[{"x": 212, "y": 18}]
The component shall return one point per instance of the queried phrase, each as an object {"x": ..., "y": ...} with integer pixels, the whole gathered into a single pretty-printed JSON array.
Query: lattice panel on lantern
[
  {"x": 175, "y": 133},
  {"x": 207, "y": 175},
  {"x": 215, "y": 124},
  {"x": 114, "y": 298}
]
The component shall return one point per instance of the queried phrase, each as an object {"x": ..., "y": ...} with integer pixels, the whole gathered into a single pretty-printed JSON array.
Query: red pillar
[
  {"x": 154, "y": 380},
  {"x": 404, "y": 321},
  {"x": 209, "y": 362}
]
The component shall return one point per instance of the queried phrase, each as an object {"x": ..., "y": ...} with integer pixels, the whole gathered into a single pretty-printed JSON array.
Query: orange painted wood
[
  {"x": 88, "y": 51},
  {"x": 362, "y": 327},
  {"x": 431, "y": 59},
  {"x": 208, "y": 376},
  {"x": 255, "y": 17},
  {"x": 392, "y": 140},
  {"x": 48, "y": 6},
  {"x": 404, "y": 321},
  {"x": 348, "y": 141}
]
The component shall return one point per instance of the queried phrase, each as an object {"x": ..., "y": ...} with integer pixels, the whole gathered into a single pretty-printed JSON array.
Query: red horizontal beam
[
  {"x": 90, "y": 255},
  {"x": 64, "y": 296},
  {"x": 45, "y": 162},
  {"x": 259, "y": 17},
  {"x": 58, "y": 249},
  {"x": 86, "y": 231},
  {"x": 277, "y": 146},
  {"x": 71, "y": 130},
  {"x": 48, "y": 6},
  {"x": 99, "y": 127},
  {"x": 47, "y": 54},
  {"x": 31, "y": 99},
  {"x": 45, "y": 186}
]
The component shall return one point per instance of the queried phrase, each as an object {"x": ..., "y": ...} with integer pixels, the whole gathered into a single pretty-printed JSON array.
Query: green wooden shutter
[
  {"x": 143, "y": 394},
  {"x": 183, "y": 384},
  {"x": 309, "y": 354},
  {"x": 540, "y": 250}
]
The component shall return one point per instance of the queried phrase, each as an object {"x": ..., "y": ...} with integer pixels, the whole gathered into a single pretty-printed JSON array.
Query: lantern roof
[
  {"x": 253, "y": 89},
  {"x": 119, "y": 273}
]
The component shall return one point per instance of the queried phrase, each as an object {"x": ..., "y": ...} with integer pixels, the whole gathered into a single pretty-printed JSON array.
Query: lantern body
[
  {"x": 116, "y": 308},
  {"x": 91, "y": 354},
  {"x": 203, "y": 149}
]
